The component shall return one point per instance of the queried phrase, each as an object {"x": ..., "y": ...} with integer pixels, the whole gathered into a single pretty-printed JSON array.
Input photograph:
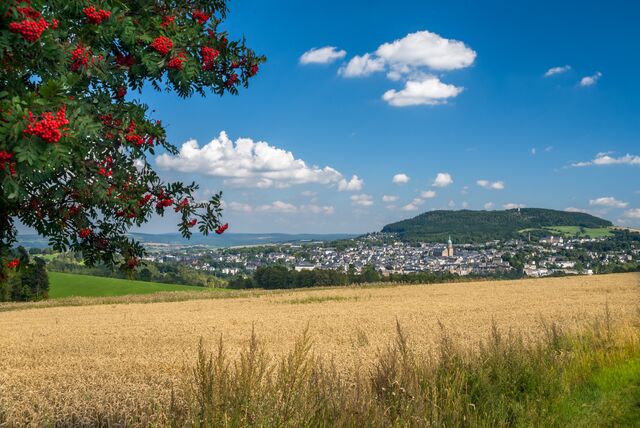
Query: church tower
[{"x": 449, "y": 247}]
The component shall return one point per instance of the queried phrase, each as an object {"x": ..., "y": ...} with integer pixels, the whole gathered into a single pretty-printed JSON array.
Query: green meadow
[{"x": 72, "y": 285}]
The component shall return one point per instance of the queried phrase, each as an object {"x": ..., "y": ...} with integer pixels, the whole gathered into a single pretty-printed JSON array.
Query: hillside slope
[{"x": 481, "y": 226}]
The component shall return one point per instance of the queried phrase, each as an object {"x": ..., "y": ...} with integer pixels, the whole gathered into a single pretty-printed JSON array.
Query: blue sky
[{"x": 469, "y": 96}]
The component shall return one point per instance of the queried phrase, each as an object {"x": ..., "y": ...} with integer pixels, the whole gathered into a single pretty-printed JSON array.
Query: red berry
[
  {"x": 13, "y": 263},
  {"x": 84, "y": 233},
  {"x": 162, "y": 45}
]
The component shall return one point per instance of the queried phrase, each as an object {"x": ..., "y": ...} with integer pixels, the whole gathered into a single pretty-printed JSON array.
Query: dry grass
[{"x": 94, "y": 360}]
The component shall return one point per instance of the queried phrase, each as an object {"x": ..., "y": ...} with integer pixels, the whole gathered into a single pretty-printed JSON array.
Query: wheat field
[{"x": 130, "y": 357}]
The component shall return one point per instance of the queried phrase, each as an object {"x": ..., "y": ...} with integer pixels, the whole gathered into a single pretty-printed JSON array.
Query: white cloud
[
  {"x": 278, "y": 207},
  {"x": 247, "y": 163},
  {"x": 414, "y": 205},
  {"x": 323, "y": 55},
  {"x": 413, "y": 59},
  {"x": 427, "y": 49},
  {"x": 443, "y": 179},
  {"x": 360, "y": 66},
  {"x": 281, "y": 207},
  {"x": 533, "y": 151},
  {"x": 401, "y": 179},
  {"x": 465, "y": 205},
  {"x": 608, "y": 201},
  {"x": 237, "y": 206},
  {"x": 389, "y": 198},
  {"x": 557, "y": 70},
  {"x": 604, "y": 158},
  {"x": 512, "y": 206},
  {"x": 496, "y": 185},
  {"x": 489, "y": 206},
  {"x": 309, "y": 193},
  {"x": 428, "y": 194},
  {"x": 362, "y": 200},
  {"x": 575, "y": 210},
  {"x": 632, "y": 213},
  {"x": 452, "y": 203},
  {"x": 428, "y": 91},
  {"x": 590, "y": 80},
  {"x": 352, "y": 185}
]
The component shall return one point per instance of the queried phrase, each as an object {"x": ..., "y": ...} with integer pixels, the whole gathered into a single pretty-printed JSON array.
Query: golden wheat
[{"x": 85, "y": 361}]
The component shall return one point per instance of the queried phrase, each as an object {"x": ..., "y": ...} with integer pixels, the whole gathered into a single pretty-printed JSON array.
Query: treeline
[
  {"x": 168, "y": 273},
  {"x": 280, "y": 277},
  {"x": 27, "y": 279}
]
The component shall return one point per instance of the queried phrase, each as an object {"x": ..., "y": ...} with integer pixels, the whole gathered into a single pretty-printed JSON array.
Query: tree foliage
[{"x": 74, "y": 147}]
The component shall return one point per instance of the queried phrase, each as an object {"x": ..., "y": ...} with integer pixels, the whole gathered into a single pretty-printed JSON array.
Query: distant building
[
  {"x": 304, "y": 266},
  {"x": 448, "y": 252}
]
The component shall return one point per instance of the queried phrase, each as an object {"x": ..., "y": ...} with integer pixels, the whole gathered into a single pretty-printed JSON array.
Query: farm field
[
  {"x": 88, "y": 359},
  {"x": 72, "y": 285},
  {"x": 570, "y": 231}
]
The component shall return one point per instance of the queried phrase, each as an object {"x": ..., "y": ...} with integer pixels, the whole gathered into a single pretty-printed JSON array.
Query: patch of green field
[
  {"x": 599, "y": 232},
  {"x": 611, "y": 398},
  {"x": 570, "y": 231},
  {"x": 72, "y": 285}
]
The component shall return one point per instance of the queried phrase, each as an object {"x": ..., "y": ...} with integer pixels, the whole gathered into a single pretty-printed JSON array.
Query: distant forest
[{"x": 467, "y": 226}]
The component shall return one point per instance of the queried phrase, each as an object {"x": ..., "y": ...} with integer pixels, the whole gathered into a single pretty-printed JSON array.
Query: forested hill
[{"x": 468, "y": 226}]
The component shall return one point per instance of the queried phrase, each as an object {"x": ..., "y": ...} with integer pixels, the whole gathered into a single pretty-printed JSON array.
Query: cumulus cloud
[
  {"x": 557, "y": 70},
  {"x": 362, "y": 200},
  {"x": 489, "y": 206},
  {"x": 428, "y": 91},
  {"x": 389, "y": 198},
  {"x": 632, "y": 213},
  {"x": 352, "y": 185},
  {"x": 465, "y": 205},
  {"x": 427, "y": 49},
  {"x": 605, "y": 158},
  {"x": 512, "y": 206},
  {"x": 413, "y": 59},
  {"x": 443, "y": 179},
  {"x": 496, "y": 185},
  {"x": 401, "y": 179},
  {"x": 590, "y": 80},
  {"x": 249, "y": 163},
  {"x": 608, "y": 201},
  {"x": 360, "y": 66},
  {"x": 428, "y": 194},
  {"x": 323, "y": 55}
]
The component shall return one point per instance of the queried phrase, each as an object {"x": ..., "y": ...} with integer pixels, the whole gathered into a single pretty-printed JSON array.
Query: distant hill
[
  {"x": 468, "y": 226},
  {"x": 226, "y": 240}
]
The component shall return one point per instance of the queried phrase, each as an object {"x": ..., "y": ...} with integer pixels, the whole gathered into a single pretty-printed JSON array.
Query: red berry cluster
[
  {"x": 254, "y": 70},
  {"x": 80, "y": 58},
  {"x": 120, "y": 92},
  {"x": 208, "y": 56},
  {"x": 136, "y": 139},
  {"x": 5, "y": 162},
  {"x": 177, "y": 62},
  {"x": 167, "y": 20},
  {"x": 105, "y": 167},
  {"x": 95, "y": 16},
  {"x": 13, "y": 263},
  {"x": 50, "y": 127},
  {"x": 232, "y": 79},
  {"x": 29, "y": 29},
  {"x": 125, "y": 60},
  {"x": 200, "y": 16},
  {"x": 181, "y": 205},
  {"x": 132, "y": 262},
  {"x": 221, "y": 229},
  {"x": 162, "y": 45},
  {"x": 84, "y": 233},
  {"x": 192, "y": 222}
]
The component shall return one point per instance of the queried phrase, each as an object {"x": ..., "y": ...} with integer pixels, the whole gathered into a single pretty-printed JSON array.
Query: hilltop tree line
[
  {"x": 27, "y": 280},
  {"x": 281, "y": 277}
]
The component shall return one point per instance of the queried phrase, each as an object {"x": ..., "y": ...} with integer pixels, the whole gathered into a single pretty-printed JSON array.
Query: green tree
[{"x": 74, "y": 146}]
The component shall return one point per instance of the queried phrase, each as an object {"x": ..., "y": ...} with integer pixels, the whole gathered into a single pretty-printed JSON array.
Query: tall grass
[{"x": 507, "y": 381}]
